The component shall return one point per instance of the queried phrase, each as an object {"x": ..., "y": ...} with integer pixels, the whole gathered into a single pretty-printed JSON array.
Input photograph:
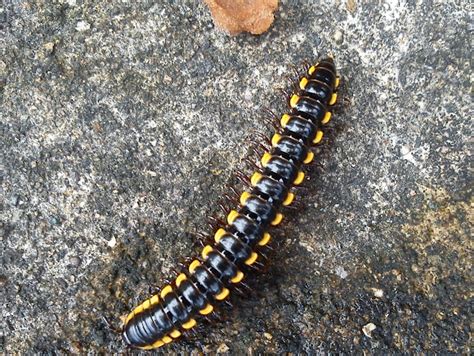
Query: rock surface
[{"x": 121, "y": 126}]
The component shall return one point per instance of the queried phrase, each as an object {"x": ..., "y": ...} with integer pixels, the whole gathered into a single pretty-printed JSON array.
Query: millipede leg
[
  {"x": 228, "y": 303},
  {"x": 224, "y": 209},
  {"x": 270, "y": 112},
  {"x": 257, "y": 266},
  {"x": 295, "y": 70},
  {"x": 243, "y": 179},
  {"x": 306, "y": 65},
  {"x": 296, "y": 206},
  {"x": 251, "y": 163},
  {"x": 231, "y": 199},
  {"x": 215, "y": 222},
  {"x": 264, "y": 138},
  {"x": 269, "y": 248},
  {"x": 270, "y": 122},
  {"x": 183, "y": 264},
  {"x": 284, "y": 92},
  {"x": 109, "y": 325}
]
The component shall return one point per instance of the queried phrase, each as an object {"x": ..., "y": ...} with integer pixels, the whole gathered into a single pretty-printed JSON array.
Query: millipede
[{"x": 237, "y": 243}]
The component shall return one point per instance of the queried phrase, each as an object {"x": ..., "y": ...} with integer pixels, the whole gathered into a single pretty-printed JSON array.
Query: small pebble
[
  {"x": 14, "y": 200},
  {"x": 378, "y": 293},
  {"x": 53, "y": 220},
  {"x": 83, "y": 26},
  {"x": 223, "y": 348},
  {"x": 248, "y": 95},
  {"x": 112, "y": 242},
  {"x": 268, "y": 336},
  {"x": 368, "y": 328},
  {"x": 49, "y": 46},
  {"x": 236, "y": 16},
  {"x": 75, "y": 261},
  {"x": 404, "y": 150},
  {"x": 167, "y": 79},
  {"x": 339, "y": 37},
  {"x": 341, "y": 272}
]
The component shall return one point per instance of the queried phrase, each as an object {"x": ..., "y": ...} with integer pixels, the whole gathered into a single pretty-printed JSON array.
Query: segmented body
[{"x": 209, "y": 279}]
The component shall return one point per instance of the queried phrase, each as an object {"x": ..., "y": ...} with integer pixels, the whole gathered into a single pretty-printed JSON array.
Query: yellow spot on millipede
[
  {"x": 312, "y": 69},
  {"x": 255, "y": 178},
  {"x": 284, "y": 120},
  {"x": 181, "y": 277},
  {"x": 265, "y": 239},
  {"x": 166, "y": 339},
  {"x": 232, "y": 216},
  {"x": 289, "y": 199},
  {"x": 244, "y": 197},
  {"x": 266, "y": 158},
  {"x": 277, "y": 220},
  {"x": 189, "y": 324},
  {"x": 303, "y": 83},
  {"x": 165, "y": 291},
  {"x": 318, "y": 137},
  {"x": 146, "y": 304},
  {"x": 193, "y": 265},
  {"x": 294, "y": 100},
  {"x": 238, "y": 277},
  {"x": 138, "y": 309},
  {"x": 155, "y": 299},
  {"x": 333, "y": 99},
  {"x": 309, "y": 157},
  {"x": 205, "y": 251},
  {"x": 129, "y": 316},
  {"x": 208, "y": 309},
  {"x": 175, "y": 334},
  {"x": 275, "y": 139},
  {"x": 219, "y": 233},
  {"x": 157, "y": 344},
  {"x": 223, "y": 294},
  {"x": 253, "y": 257},
  {"x": 326, "y": 118},
  {"x": 338, "y": 81},
  {"x": 299, "y": 178}
]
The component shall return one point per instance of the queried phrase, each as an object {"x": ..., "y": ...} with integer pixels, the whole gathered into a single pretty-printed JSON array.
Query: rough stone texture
[{"x": 121, "y": 126}]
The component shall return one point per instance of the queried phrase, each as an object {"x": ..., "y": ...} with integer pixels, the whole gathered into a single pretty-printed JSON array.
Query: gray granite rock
[{"x": 122, "y": 124}]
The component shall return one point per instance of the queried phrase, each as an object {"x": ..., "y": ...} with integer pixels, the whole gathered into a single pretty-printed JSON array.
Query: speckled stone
[{"x": 122, "y": 124}]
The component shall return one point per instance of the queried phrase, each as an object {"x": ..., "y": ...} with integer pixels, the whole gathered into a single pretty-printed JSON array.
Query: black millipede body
[{"x": 210, "y": 278}]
